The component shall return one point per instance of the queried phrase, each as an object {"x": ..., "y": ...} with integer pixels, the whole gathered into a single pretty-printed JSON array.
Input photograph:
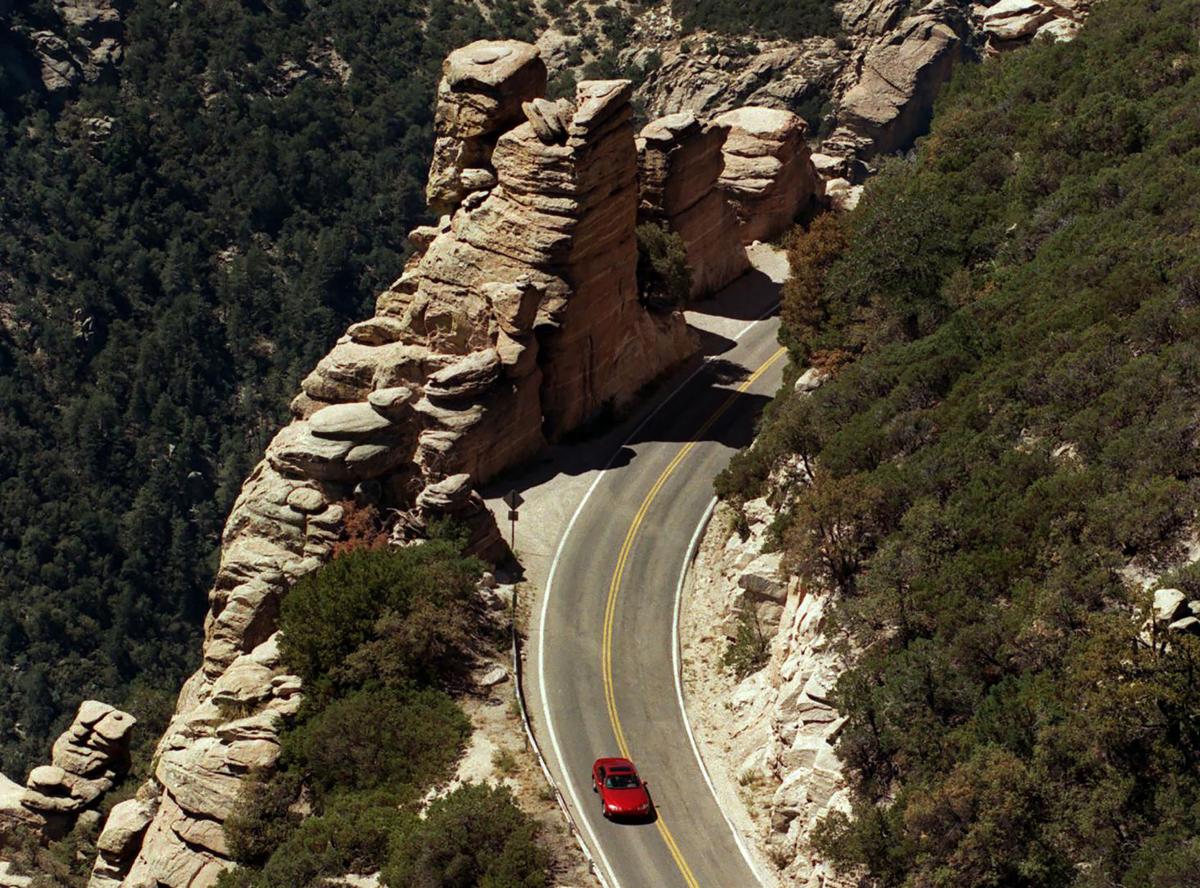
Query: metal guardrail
[{"x": 531, "y": 740}]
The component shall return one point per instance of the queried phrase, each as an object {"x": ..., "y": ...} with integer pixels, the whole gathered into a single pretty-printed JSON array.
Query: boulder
[
  {"x": 356, "y": 421},
  {"x": 810, "y": 380},
  {"x": 447, "y": 495},
  {"x": 392, "y": 402},
  {"x": 1169, "y": 604},
  {"x": 119, "y": 841},
  {"x": 466, "y": 379},
  {"x": 1187, "y": 624},
  {"x": 768, "y": 175}
]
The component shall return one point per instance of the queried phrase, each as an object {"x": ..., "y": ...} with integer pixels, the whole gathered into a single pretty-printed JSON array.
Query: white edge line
[
  {"x": 688, "y": 555},
  {"x": 541, "y": 632}
]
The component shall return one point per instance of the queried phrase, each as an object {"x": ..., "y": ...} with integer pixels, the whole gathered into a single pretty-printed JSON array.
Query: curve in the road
[
  {"x": 614, "y": 590},
  {"x": 608, "y": 872}
]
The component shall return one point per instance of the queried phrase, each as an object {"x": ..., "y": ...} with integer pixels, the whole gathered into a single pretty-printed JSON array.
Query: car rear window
[{"x": 621, "y": 780}]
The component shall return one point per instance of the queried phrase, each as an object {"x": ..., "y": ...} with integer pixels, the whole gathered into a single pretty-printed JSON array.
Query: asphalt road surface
[{"x": 602, "y": 650}]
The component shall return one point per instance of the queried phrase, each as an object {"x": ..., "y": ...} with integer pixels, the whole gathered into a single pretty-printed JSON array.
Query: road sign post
[{"x": 513, "y": 500}]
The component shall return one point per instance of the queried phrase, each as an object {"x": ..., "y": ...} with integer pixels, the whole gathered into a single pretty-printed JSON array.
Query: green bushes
[
  {"x": 395, "y": 740},
  {"x": 393, "y": 615},
  {"x": 664, "y": 277},
  {"x": 377, "y": 634},
  {"x": 474, "y": 836},
  {"x": 750, "y": 647},
  {"x": 1011, "y": 316}
]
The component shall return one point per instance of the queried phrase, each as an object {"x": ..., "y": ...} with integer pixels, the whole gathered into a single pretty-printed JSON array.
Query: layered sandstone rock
[
  {"x": 680, "y": 161},
  {"x": 482, "y": 88},
  {"x": 768, "y": 174},
  {"x": 87, "y": 761},
  {"x": 516, "y": 318}
]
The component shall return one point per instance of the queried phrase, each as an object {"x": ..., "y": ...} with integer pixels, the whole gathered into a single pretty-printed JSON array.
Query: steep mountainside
[
  {"x": 998, "y": 482},
  {"x": 177, "y": 247}
]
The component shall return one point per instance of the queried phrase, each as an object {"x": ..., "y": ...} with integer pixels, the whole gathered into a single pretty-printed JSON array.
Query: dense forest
[
  {"x": 177, "y": 248},
  {"x": 1012, "y": 322}
]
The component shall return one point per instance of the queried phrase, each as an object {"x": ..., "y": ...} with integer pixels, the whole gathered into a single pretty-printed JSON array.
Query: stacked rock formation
[
  {"x": 768, "y": 174},
  {"x": 680, "y": 160},
  {"x": 87, "y": 761},
  {"x": 516, "y": 319},
  {"x": 479, "y": 98}
]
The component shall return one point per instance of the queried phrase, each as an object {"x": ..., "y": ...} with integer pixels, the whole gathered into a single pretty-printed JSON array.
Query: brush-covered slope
[{"x": 1005, "y": 465}]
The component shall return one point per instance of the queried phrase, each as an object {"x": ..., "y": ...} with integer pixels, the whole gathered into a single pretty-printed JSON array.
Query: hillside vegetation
[
  {"x": 177, "y": 249},
  {"x": 1012, "y": 317},
  {"x": 380, "y": 636}
]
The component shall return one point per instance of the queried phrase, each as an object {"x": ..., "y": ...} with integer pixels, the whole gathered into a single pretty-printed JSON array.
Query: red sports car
[{"x": 622, "y": 792}]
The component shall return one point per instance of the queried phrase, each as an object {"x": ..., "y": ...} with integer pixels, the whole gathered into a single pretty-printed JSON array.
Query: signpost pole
[{"x": 513, "y": 500}]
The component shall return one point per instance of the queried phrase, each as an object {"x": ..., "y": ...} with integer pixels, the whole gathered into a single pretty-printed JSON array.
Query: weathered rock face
[
  {"x": 119, "y": 841},
  {"x": 680, "y": 161},
  {"x": 517, "y": 317},
  {"x": 87, "y": 761},
  {"x": 768, "y": 174},
  {"x": 483, "y": 86},
  {"x": 780, "y": 75},
  {"x": 899, "y": 76},
  {"x": 78, "y": 41},
  {"x": 778, "y": 726}
]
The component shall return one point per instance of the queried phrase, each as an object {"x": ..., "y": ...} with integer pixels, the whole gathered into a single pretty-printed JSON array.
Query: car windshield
[{"x": 621, "y": 781}]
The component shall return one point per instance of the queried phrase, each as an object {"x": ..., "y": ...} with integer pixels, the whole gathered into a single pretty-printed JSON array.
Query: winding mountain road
[{"x": 602, "y": 660}]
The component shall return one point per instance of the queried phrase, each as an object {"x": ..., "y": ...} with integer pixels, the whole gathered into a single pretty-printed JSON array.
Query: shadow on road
[
  {"x": 606, "y": 442},
  {"x": 743, "y": 300}
]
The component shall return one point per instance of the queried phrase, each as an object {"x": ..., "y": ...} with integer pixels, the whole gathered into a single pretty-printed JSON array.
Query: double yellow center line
[{"x": 614, "y": 589}]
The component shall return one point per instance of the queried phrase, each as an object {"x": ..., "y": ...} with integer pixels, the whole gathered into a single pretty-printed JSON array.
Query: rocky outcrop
[
  {"x": 768, "y": 174},
  {"x": 681, "y": 160},
  {"x": 693, "y": 77},
  {"x": 58, "y": 47},
  {"x": 1010, "y": 23},
  {"x": 898, "y": 76},
  {"x": 868, "y": 92},
  {"x": 480, "y": 95},
  {"x": 87, "y": 760},
  {"x": 516, "y": 319},
  {"x": 775, "y": 730}
]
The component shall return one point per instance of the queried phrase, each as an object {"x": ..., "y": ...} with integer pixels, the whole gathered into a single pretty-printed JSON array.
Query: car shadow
[{"x": 636, "y": 819}]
